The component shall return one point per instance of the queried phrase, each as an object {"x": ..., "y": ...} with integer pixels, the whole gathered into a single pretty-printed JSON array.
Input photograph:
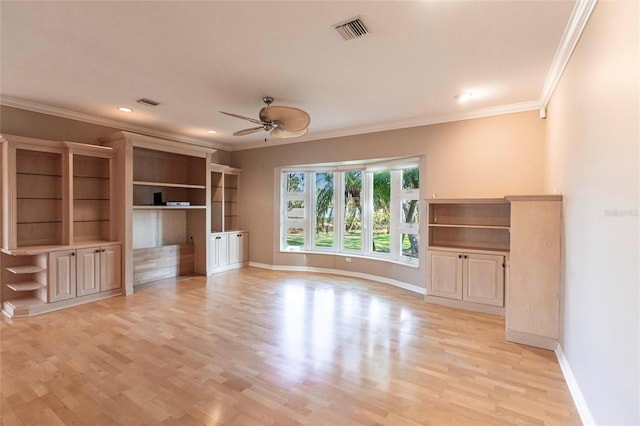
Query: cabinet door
[
  {"x": 62, "y": 275},
  {"x": 483, "y": 279},
  {"x": 244, "y": 247},
  {"x": 223, "y": 249},
  {"x": 234, "y": 247},
  {"x": 88, "y": 271},
  {"x": 111, "y": 268},
  {"x": 213, "y": 253},
  {"x": 445, "y": 274},
  {"x": 219, "y": 250}
]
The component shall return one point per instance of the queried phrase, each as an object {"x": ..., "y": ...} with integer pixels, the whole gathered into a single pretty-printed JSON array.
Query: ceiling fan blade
[
  {"x": 280, "y": 133},
  {"x": 288, "y": 118},
  {"x": 248, "y": 131},
  {"x": 242, "y": 117}
]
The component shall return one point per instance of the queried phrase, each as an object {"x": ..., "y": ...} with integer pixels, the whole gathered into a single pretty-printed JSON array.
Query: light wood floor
[{"x": 256, "y": 347}]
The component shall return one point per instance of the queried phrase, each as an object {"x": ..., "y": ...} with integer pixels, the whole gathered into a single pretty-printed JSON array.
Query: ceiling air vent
[
  {"x": 352, "y": 29},
  {"x": 148, "y": 102}
]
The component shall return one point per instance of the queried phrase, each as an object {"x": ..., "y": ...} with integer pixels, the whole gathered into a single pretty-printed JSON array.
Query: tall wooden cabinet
[
  {"x": 502, "y": 256},
  {"x": 56, "y": 200},
  {"x": 533, "y": 291}
]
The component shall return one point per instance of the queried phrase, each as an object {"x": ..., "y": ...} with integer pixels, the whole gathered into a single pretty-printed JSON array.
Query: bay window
[{"x": 371, "y": 210}]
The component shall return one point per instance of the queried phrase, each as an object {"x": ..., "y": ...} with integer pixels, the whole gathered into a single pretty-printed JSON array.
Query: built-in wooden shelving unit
[
  {"x": 56, "y": 197},
  {"x": 162, "y": 240}
]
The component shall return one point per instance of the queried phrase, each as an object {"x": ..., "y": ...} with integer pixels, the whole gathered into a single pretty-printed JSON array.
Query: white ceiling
[{"x": 197, "y": 58}]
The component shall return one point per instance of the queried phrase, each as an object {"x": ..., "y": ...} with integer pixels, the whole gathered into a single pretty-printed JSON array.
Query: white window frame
[
  {"x": 396, "y": 227},
  {"x": 287, "y": 222}
]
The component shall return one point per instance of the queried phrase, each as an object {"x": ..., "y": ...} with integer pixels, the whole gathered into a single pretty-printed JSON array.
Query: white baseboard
[
  {"x": 576, "y": 393},
  {"x": 411, "y": 287}
]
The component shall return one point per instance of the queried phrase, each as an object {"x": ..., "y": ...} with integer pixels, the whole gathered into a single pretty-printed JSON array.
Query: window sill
[{"x": 415, "y": 263}]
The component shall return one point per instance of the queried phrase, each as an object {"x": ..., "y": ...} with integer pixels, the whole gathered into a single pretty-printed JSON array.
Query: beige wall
[
  {"x": 15, "y": 121},
  {"x": 488, "y": 157},
  {"x": 593, "y": 137}
]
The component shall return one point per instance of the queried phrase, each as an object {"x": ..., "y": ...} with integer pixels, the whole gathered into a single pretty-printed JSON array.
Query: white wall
[{"x": 593, "y": 137}]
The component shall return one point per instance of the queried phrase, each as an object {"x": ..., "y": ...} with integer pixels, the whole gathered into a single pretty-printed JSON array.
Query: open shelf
[
  {"x": 39, "y": 199},
  {"x": 26, "y": 269},
  {"x": 224, "y": 199},
  {"x": 151, "y": 207},
  {"x": 470, "y": 224},
  {"x": 169, "y": 185},
  {"x": 26, "y": 286},
  {"x": 91, "y": 198}
]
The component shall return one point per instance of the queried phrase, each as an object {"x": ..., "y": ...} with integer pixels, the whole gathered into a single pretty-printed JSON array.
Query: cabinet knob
[
  {"x": 73, "y": 253},
  {"x": 466, "y": 257},
  {"x": 103, "y": 250},
  {"x": 218, "y": 238},
  {"x": 459, "y": 256},
  {"x": 97, "y": 251}
]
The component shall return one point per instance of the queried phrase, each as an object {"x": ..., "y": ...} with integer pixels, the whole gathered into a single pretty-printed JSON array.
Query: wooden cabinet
[
  {"x": 110, "y": 268},
  {"x": 219, "y": 251},
  {"x": 83, "y": 272},
  {"x": 62, "y": 275},
  {"x": 230, "y": 250},
  {"x": 445, "y": 274},
  {"x": 98, "y": 269},
  {"x": 468, "y": 246},
  {"x": 471, "y": 277},
  {"x": 483, "y": 278},
  {"x": 238, "y": 247},
  {"x": 88, "y": 271},
  {"x": 533, "y": 290}
]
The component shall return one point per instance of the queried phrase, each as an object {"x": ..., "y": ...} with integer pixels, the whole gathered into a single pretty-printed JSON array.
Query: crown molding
[
  {"x": 352, "y": 131},
  {"x": 401, "y": 124},
  {"x": 578, "y": 20},
  {"x": 120, "y": 125}
]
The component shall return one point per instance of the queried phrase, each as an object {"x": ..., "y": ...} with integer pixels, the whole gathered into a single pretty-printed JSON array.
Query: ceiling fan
[{"x": 278, "y": 121}]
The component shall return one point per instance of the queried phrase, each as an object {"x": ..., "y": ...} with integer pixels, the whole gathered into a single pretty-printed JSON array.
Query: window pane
[
  {"x": 324, "y": 210},
  {"x": 295, "y": 182},
  {"x": 295, "y": 237},
  {"x": 410, "y": 211},
  {"x": 295, "y": 209},
  {"x": 352, "y": 238},
  {"x": 381, "y": 211},
  {"x": 411, "y": 178},
  {"x": 410, "y": 245}
]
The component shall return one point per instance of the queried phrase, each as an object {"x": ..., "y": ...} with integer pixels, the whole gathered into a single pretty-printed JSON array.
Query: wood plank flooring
[{"x": 257, "y": 347}]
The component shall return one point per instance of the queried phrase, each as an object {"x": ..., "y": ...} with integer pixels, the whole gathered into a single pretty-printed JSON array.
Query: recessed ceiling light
[
  {"x": 463, "y": 97},
  {"x": 125, "y": 109},
  {"x": 211, "y": 131}
]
